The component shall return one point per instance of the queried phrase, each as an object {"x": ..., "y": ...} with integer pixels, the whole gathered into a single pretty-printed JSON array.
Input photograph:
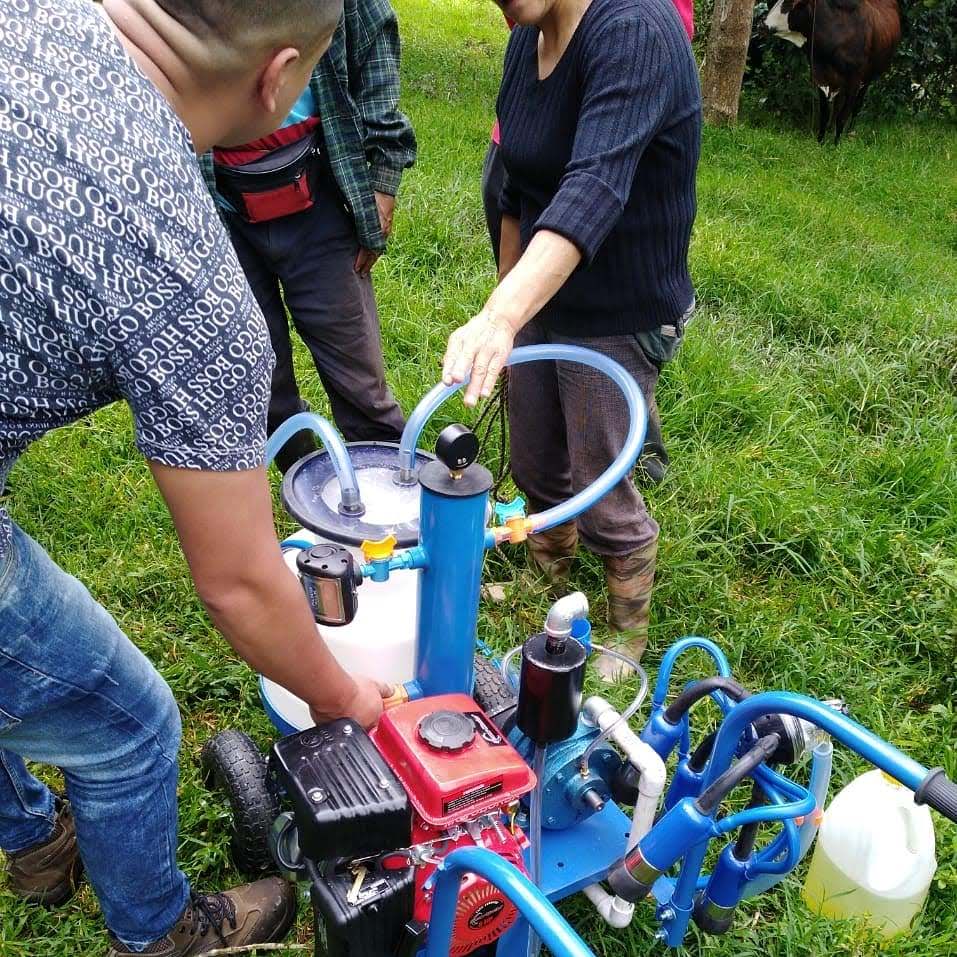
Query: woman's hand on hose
[{"x": 480, "y": 348}]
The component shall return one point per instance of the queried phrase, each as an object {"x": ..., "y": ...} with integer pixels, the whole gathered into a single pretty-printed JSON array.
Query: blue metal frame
[{"x": 452, "y": 536}]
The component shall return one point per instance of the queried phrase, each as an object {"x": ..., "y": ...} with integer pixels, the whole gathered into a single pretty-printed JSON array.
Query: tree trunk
[{"x": 723, "y": 67}]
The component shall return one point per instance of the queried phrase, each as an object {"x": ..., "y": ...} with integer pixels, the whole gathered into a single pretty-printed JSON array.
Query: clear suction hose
[
  {"x": 538, "y": 766},
  {"x": 622, "y": 465},
  {"x": 627, "y": 714},
  {"x": 506, "y": 666},
  {"x": 350, "y": 502}
]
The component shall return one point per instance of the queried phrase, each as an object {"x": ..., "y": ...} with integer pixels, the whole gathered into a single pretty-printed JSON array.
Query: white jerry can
[{"x": 875, "y": 855}]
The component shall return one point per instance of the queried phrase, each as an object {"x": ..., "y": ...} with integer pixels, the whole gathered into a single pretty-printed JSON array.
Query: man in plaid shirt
[{"x": 317, "y": 262}]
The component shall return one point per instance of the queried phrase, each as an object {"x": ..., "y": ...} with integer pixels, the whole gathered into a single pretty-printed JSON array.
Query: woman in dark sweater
[{"x": 600, "y": 116}]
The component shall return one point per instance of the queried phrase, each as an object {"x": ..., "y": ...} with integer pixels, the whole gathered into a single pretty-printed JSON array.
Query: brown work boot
[
  {"x": 259, "y": 913},
  {"x": 630, "y": 579},
  {"x": 552, "y": 551},
  {"x": 48, "y": 873}
]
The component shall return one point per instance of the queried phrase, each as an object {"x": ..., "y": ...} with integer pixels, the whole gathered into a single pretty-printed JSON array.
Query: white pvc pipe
[{"x": 615, "y": 911}]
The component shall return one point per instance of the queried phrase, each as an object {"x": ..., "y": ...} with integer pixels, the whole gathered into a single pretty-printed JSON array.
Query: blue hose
[
  {"x": 350, "y": 502},
  {"x": 622, "y": 465},
  {"x": 820, "y": 779},
  {"x": 674, "y": 652}
]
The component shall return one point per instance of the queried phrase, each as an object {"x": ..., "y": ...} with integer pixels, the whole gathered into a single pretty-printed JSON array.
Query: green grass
[{"x": 808, "y": 523}]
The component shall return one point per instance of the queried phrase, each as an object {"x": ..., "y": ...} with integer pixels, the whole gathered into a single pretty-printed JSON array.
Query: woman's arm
[
  {"x": 625, "y": 96},
  {"x": 483, "y": 344}
]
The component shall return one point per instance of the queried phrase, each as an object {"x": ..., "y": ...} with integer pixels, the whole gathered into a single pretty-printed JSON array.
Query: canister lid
[{"x": 311, "y": 494}]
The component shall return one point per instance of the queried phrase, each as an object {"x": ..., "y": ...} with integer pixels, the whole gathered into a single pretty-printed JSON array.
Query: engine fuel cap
[{"x": 447, "y": 730}]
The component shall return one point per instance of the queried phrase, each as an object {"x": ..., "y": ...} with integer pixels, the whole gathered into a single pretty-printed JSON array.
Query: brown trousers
[{"x": 568, "y": 422}]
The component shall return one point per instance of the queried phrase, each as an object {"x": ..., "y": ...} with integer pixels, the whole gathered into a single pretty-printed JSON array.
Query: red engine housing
[
  {"x": 483, "y": 912},
  {"x": 450, "y": 784},
  {"x": 460, "y": 773}
]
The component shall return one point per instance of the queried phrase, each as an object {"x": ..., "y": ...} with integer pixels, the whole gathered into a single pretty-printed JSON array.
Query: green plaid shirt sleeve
[{"x": 368, "y": 141}]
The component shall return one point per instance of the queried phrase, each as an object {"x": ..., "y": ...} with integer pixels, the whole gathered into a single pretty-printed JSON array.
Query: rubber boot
[
  {"x": 260, "y": 913},
  {"x": 48, "y": 873},
  {"x": 630, "y": 581},
  {"x": 552, "y": 551}
]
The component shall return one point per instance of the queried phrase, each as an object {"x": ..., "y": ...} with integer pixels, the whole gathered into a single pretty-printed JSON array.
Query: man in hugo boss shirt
[{"x": 117, "y": 281}]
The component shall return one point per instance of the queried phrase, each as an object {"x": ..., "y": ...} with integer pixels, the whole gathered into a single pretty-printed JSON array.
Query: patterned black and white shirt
[{"x": 117, "y": 280}]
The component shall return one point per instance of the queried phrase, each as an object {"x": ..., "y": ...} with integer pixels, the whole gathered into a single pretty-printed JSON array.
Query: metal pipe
[
  {"x": 451, "y": 526},
  {"x": 350, "y": 502},
  {"x": 558, "y": 621},
  {"x": 859, "y": 739},
  {"x": 550, "y": 926}
]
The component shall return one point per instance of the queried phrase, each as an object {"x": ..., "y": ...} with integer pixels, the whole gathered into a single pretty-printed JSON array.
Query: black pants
[{"x": 304, "y": 262}]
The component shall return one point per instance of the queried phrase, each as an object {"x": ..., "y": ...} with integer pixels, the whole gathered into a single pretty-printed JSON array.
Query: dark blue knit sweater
[{"x": 603, "y": 151}]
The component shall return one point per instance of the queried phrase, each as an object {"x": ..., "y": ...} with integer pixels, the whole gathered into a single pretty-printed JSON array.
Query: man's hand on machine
[
  {"x": 364, "y": 705},
  {"x": 480, "y": 347}
]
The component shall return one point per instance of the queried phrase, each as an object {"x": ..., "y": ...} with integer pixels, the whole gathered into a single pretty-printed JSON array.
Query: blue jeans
[{"x": 77, "y": 694}]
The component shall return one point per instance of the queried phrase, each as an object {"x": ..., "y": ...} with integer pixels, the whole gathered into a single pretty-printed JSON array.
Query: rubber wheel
[
  {"x": 233, "y": 764},
  {"x": 492, "y": 693}
]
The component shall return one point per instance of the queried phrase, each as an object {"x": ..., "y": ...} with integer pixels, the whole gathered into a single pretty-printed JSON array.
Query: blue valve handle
[{"x": 508, "y": 510}]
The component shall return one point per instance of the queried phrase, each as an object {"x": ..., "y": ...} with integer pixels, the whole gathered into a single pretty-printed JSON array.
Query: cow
[{"x": 849, "y": 43}]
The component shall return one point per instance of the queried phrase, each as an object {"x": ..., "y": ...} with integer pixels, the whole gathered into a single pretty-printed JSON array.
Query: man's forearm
[{"x": 255, "y": 602}]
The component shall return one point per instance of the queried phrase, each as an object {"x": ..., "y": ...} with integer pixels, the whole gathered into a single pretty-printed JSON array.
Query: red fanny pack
[{"x": 280, "y": 183}]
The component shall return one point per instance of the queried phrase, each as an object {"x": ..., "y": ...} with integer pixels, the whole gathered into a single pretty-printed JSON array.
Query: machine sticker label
[
  {"x": 487, "y": 912},
  {"x": 471, "y": 797},
  {"x": 489, "y": 733}
]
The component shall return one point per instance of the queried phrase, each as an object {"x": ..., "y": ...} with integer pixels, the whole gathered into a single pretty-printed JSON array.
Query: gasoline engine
[{"x": 372, "y": 815}]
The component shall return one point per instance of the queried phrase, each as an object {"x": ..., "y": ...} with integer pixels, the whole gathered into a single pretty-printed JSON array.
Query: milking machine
[{"x": 485, "y": 794}]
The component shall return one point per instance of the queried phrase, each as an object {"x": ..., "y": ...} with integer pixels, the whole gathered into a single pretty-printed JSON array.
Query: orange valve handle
[{"x": 399, "y": 696}]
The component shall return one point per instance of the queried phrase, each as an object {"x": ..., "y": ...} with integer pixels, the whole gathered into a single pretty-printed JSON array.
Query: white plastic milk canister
[{"x": 875, "y": 855}]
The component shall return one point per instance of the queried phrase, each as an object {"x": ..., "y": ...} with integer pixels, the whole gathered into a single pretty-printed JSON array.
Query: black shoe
[{"x": 651, "y": 469}]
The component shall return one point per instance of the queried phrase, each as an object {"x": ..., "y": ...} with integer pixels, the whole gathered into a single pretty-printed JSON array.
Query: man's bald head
[{"x": 253, "y": 24}]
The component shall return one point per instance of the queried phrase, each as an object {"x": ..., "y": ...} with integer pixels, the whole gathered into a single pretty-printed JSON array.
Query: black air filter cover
[{"x": 346, "y": 799}]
